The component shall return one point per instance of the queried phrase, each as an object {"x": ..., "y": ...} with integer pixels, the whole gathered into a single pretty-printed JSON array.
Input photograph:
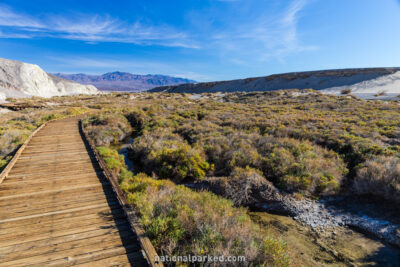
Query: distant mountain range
[
  {"x": 359, "y": 81},
  {"x": 124, "y": 81}
]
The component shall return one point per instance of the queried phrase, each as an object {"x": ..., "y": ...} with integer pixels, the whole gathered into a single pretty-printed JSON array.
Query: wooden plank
[
  {"x": 75, "y": 255},
  {"x": 57, "y": 194},
  {"x": 52, "y": 213},
  {"x": 52, "y": 152},
  {"x": 61, "y": 246},
  {"x": 23, "y": 180},
  {"x": 26, "y": 206},
  {"x": 57, "y": 207},
  {"x": 96, "y": 170},
  {"x": 52, "y": 241},
  {"x": 23, "y": 237},
  {"x": 48, "y": 191},
  {"x": 61, "y": 183},
  {"x": 76, "y": 155},
  {"x": 37, "y": 171},
  {"x": 49, "y": 165},
  {"x": 53, "y": 207},
  {"x": 49, "y": 225},
  {"x": 65, "y": 232},
  {"x": 102, "y": 212}
]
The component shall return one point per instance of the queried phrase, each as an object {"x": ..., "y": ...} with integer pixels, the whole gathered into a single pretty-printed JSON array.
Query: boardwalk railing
[{"x": 151, "y": 254}]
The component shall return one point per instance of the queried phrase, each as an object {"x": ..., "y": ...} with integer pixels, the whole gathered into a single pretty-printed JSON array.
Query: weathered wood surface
[
  {"x": 9, "y": 166},
  {"x": 57, "y": 208}
]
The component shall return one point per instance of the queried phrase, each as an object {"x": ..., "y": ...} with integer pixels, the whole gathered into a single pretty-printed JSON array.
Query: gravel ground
[{"x": 323, "y": 215}]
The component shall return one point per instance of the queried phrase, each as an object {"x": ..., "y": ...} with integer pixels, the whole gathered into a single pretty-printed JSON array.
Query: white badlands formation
[
  {"x": 18, "y": 79},
  {"x": 359, "y": 81},
  {"x": 389, "y": 84}
]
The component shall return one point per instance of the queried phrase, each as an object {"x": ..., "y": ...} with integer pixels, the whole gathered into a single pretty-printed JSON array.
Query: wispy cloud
[
  {"x": 242, "y": 34},
  {"x": 9, "y": 18},
  {"x": 262, "y": 36},
  {"x": 90, "y": 28}
]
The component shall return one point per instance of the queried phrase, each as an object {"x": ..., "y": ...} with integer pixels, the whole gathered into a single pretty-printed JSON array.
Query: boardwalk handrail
[
  {"x": 147, "y": 246},
  {"x": 16, "y": 156}
]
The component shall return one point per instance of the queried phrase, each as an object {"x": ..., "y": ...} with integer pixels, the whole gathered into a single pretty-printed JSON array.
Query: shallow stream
[{"x": 340, "y": 246}]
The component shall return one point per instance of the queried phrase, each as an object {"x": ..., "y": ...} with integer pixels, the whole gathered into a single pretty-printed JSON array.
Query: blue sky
[{"x": 201, "y": 39}]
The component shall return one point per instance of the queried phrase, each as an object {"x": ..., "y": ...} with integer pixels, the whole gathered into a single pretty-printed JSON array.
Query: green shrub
[
  {"x": 3, "y": 162},
  {"x": 179, "y": 161},
  {"x": 298, "y": 166},
  {"x": 113, "y": 160},
  {"x": 180, "y": 221}
]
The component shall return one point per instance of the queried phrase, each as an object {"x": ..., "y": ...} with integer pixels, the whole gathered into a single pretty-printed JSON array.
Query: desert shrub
[
  {"x": 345, "y": 91},
  {"x": 143, "y": 146},
  {"x": 180, "y": 221},
  {"x": 3, "y": 162},
  {"x": 300, "y": 166},
  {"x": 49, "y": 117},
  {"x": 108, "y": 128},
  {"x": 11, "y": 140},
  {"x": 245, "y": 187},
  {"x": 179, "y": 161},
  {"x": 232, "y": 150},
  {"x": 113, "y": 160},
  {"x": 379, "y": 177}
]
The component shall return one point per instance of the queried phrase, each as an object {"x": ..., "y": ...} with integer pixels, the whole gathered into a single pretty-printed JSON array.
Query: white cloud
[
  {"x": 261, "y": 36},
  {"x": 240, "y": 34},
  {"x": 12, "y": 19},
  {"x": 14, "y": 35},
  {"x": 92, "y": 29}
]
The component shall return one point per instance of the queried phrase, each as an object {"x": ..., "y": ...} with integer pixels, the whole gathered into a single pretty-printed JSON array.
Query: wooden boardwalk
[{"x": 56, "y": 209}]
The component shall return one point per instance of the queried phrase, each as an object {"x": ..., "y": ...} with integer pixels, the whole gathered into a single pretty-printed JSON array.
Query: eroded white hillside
[
  {"x": 361, "y": 81},
  {"x": 18, "y": 79},
  {"x": 389, "y": 84}
]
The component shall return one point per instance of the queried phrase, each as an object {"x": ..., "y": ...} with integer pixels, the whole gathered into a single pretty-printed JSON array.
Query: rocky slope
[
  {"x": 18, "y": 79},
  {"x": 123, "y": 81},
  {"x": 370, "y": 80}
]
